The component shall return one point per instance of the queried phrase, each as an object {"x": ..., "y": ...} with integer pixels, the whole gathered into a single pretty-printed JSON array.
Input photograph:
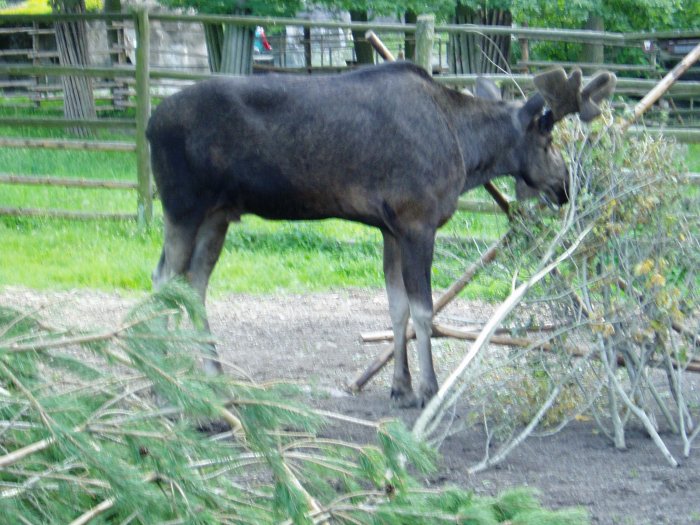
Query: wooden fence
[{"x": 144, "y": 78}]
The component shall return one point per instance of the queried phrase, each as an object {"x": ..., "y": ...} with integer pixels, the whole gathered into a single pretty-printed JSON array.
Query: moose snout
[{"x": 562, "y": 193}]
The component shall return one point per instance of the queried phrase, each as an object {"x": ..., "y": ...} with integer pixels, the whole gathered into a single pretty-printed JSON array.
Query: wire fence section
[{"x": 136, "y": 58}]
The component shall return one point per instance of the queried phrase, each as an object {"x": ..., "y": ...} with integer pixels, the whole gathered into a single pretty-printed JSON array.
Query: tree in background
[
  {"x": 366, "y": 10},
  {"x": 479, "y": 53},
  {"x": 608, "y": 15},
  {"x": 229, "y": 47},
  {"x": 71, "y": 40}
]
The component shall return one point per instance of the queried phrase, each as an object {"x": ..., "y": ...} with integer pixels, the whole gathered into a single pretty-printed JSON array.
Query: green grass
[{"x": 259, "y": 256}]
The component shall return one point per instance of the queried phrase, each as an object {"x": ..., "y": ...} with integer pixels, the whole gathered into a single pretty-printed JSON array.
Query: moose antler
[{"x": 565, "y": 96}]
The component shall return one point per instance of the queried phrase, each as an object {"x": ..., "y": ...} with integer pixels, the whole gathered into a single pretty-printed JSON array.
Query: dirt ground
[{"x": 314, "y": 340}]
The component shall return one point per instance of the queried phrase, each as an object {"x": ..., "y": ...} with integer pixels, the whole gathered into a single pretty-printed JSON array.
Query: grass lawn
[{"x": 259, "y": 256}]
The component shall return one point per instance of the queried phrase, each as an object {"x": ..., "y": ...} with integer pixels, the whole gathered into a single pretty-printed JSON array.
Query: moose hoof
[
  {"x": 403, "y": 398},
  {"x": 426, "y": 393}
]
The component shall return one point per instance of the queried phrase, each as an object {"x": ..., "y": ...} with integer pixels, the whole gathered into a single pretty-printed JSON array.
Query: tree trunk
[
  {"x": 594, "y": 53},
  {"x": 230, "y": 48},
  {"x": 474, "y": 53},
  {"x": 364, "y": 53},
  {"x": 237, "y": 50},
  {"x": 71, "y": 40},
  {"x": 410, "y": 17},
  {"x": 214, "y": 38},
  {"x": 308, "y": 56}
]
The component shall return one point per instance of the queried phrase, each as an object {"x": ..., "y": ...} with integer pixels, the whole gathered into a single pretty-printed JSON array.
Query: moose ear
[
  {"x": 531, "y": 109},
  {"x": 487, "y": 89}
]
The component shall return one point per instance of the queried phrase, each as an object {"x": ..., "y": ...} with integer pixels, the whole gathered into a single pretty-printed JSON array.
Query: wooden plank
[
  {"x": 683, "y": 88},
  {"x": 685, "y": 135},
  {"x": 253, "y": 21},
  {"x": 43, "y": 69},
  {"x": 13, "y": 30},
  {"x": 89, "y": 145},
  {"x": 584, "y": 65},
  {"x": 478, "y": 206},
  {"x": 67, "y": 123},
  {"x": 16, "y": 84},
  {"x": 582, "y": 36},
  {"x": 62, "y": 17},
  {"x": 66, "y": 214},
  {"x": 68, "y": 182}
]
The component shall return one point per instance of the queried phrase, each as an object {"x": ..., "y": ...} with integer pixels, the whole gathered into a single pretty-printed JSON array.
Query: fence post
[
  {"x": 143, "y": 111},
  {"x": 425, "y": 34}
]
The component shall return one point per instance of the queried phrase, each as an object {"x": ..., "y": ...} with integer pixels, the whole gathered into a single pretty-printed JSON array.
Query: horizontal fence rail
[
  {"x": 142, "y": 75},
  {"x": 66, "y": 182}
]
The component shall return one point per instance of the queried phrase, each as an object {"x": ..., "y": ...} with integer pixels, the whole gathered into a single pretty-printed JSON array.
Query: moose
[{"x": 385, "y": 145}]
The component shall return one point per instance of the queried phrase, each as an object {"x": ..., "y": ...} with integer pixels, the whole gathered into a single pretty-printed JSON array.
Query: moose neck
[{"x": 488, "y": 139}]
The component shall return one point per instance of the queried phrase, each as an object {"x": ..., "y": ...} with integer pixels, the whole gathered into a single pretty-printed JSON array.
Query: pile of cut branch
[
  {"x": 106, "y": 426},
  {"x": 614, "y": 277}
]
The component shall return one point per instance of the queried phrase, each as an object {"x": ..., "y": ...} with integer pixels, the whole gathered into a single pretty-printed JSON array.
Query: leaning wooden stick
[
  {"x": 663, "y": 86},
  {"x": 379, "y": 46}
]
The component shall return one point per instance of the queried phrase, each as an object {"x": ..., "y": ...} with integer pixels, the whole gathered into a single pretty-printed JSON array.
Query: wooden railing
[{"x": 145, "y": 80}]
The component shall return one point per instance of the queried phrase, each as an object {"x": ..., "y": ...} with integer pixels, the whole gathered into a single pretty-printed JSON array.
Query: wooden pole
[
  {"x": 90, "y": 145},
  {"x": 524, "y": 50},
  {"x": 66, "y": 214},
  {"x": 144, "y": 208},
  {"x": 440, "y": 330},
  {"x": 425, "y": 34}
]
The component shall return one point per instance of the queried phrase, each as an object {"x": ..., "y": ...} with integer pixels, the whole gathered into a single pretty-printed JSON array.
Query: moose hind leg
[
  {"x": 401, "y": 390},
  {"x": 208, "y": 245},
  {"x": 416, "y": 258},
  {"x": 178, "y": 245}
]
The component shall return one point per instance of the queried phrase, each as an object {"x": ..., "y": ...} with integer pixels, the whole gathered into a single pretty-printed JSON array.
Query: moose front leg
[
  {"x": 416, "y": 261},
  {"x": 401, "y": 389}
]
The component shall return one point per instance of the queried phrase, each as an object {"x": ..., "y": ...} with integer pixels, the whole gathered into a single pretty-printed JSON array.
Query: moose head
[{"x": 542, "y": 171}]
